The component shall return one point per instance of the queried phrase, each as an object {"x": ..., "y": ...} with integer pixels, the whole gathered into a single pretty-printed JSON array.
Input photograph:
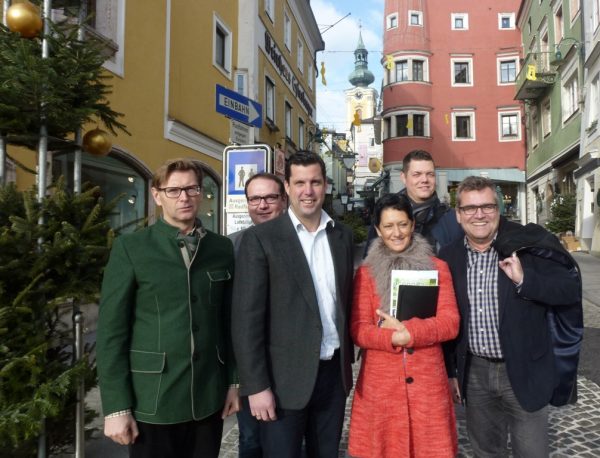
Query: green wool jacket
[{"x": 163, "y": 342}]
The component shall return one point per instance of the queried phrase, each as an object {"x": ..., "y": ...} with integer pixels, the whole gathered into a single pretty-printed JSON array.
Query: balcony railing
[{"x": 536, "y": 75}]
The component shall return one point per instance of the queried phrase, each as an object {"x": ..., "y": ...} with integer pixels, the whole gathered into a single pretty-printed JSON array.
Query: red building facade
[{"x": 449, "y": 88}]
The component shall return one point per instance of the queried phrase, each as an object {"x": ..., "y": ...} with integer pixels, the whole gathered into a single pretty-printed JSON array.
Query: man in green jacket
[{"x": 165, "y": 364}]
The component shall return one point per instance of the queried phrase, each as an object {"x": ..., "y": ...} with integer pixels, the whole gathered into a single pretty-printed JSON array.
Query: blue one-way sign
[{"x": 238, "y": 107}]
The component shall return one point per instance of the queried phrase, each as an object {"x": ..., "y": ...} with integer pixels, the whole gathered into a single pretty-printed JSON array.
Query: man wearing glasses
[
  {"x": 502, "y": 362},
  {"x": 266, "y": 199},
  {"x": 165, "y": 364}
]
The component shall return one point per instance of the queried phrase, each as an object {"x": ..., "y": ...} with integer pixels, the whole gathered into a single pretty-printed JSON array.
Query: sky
[{"x": 340, "y": 43}]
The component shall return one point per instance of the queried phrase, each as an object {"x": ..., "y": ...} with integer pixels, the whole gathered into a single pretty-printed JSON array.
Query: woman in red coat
[{"x": 402, "y": 404}]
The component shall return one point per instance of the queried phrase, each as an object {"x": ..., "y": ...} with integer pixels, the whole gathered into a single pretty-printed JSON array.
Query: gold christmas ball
[
  {"x": 97, "y": 142},
  {"x": 24, "y": 18}
]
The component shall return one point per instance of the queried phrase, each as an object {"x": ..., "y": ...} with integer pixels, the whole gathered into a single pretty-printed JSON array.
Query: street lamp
[{"x": 558, "y": 57}]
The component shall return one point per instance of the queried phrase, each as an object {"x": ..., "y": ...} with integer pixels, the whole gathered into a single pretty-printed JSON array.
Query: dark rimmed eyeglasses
[
  {"x": 486, "y": 209},
  {"x": 174, "y": 193},
  {"x": 269, "y": 198}
]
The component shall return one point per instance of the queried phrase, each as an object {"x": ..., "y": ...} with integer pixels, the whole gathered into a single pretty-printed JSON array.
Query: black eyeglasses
[
  {"x": 269, "y": 198},
  {"x": 486, "y": 209},
  {"x": 174, "y": 193}
]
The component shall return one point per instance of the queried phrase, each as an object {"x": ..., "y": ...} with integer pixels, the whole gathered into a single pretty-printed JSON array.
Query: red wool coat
[{"x": 402, "y": 404}]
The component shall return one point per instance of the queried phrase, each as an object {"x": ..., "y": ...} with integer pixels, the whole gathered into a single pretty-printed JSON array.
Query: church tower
[{"x": 361, "y": 103}]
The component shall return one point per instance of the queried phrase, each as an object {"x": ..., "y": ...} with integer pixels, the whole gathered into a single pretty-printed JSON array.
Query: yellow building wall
[{"x": 140, "y": 92}]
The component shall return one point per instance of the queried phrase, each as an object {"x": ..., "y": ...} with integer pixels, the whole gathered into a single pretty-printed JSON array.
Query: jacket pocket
[
  {"x": 217, "y": 278},
  {"x": 147, "y": 369}
]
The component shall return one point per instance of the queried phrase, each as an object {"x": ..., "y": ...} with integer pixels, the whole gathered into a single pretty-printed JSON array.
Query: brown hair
[
  {"x": 163, "y": 173},
  {"x": 415, "y": 155}
]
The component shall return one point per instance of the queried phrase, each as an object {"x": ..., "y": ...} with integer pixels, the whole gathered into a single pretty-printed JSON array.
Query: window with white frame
[
  {"x": 288, "y": 120},
  {"x": 546, "y": 118},
  {"x": 570, "y": 98},
  {"x": 310, "y": 77},
  {"x": 544, "y": 50},
  {"x": 287, "y": 31},
  {"x": 559, "y": 25},
  {"x": 463, "y": 126},
  {"x": 534, "y": 128},
  {"x": 574, "y": 6},
  {"x": 269, "y": 99},
  {"x": 507, "y": 70},
  {"x": 459, "y": 21},
  {"x": 301, "y": 133},
  {"x": 300, "y": 56},
  {"x": 509, "y": 126},
  {"x": 415, "y": 18},
  {"x": 391, "y": 21},
  {"x": 594, "y": 101},
  {"x": 270, "y": 9},
  {"x": 402, "y": 70},
  {"x": 506, "y": 21},
  {"x": 406, "y": 124},
  {"x": 241, "y": 82},
  {"x": 595, "y": 14},
  {"x": 417, "y": 70},
  {"x": 409, "y": 69},
  {"x": 107, "y": 17},
  {"x": 462, "y": 71},
  {"x": 222, "y": 43}
]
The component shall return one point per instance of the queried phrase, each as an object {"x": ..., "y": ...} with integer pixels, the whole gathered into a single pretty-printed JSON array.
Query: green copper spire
[{"x": 361, "y": 76}]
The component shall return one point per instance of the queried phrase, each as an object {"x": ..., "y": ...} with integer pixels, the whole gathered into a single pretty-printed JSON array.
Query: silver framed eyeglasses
[
  {"x": 269, "y": 199},
  {"x": 486, "y": 209},
  {"x": 174, "y": 193}
]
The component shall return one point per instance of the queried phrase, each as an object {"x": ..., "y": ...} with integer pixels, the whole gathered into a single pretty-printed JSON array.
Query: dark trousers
[
  {"x": 319, "y": 423},
  {"x": 249, "y": 446},
  {"x": 192, "y": 439},
  {"x": 493, "y": 412}
]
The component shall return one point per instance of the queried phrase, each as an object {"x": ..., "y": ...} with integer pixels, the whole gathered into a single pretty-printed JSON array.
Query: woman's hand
[{"x": 401, "y": 336}]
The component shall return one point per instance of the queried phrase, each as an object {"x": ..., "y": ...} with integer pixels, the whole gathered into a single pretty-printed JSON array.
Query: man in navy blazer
[
  {"x": 292, "y": 298},
  {"x": 502, "y": 361}
]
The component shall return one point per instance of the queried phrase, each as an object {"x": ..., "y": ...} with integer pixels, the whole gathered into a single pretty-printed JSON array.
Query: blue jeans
[
  {"x": 493, "y": 412},
  {"x": 249, "y": 433}
]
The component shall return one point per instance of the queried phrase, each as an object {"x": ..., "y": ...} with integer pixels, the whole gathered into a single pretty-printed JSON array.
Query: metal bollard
[{"x": 80, "y": 406}]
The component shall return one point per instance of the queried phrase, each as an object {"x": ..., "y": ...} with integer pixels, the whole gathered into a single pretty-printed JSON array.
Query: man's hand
[
  {"x": 455, "y": 390},
  {"x": 122, "y": 429},
  {"x": 232, "y": 402},
  {"x": 262, "y": 405},
  {"x": 512, "y": 268}
]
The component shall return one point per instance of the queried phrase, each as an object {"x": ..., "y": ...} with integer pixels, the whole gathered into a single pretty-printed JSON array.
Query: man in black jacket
[
  {"x": 502, "y": 362},
  {"x": 433, "y": 219}
]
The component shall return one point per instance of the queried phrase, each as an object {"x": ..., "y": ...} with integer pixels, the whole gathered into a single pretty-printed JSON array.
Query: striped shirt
[{"x": 482, "y": 288}]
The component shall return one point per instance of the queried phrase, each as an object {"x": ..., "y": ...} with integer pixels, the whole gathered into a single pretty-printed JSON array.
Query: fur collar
[{"x": 381, "y": 261}]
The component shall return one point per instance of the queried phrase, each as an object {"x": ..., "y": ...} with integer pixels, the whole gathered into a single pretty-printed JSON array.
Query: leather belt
[{"x": 488, "y": 358}]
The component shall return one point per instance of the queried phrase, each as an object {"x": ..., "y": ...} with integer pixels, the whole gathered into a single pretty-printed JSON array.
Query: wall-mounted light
[
  {"x": 131, "y": 179},
  {"x": 132, "y": 199},
  {"x": 558, "y": 57}
]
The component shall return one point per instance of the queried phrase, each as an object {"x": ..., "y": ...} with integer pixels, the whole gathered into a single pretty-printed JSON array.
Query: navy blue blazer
[{"x": 524, "y": 333}]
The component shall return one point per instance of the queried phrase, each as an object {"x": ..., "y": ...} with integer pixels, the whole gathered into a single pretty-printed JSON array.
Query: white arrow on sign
[{"x": 247, "y": 110}]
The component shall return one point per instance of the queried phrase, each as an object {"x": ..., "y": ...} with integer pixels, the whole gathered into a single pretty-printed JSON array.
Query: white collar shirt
[{"x": 320, "y": 262}]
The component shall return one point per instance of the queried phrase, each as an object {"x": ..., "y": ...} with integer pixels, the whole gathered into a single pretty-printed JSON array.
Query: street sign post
[
  {"x": 238, "y": 107},
  {"x": 239, "y": 164}
]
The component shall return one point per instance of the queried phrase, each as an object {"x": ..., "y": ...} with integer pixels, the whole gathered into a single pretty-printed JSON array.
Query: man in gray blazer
[{"x": 292, "y": 298}]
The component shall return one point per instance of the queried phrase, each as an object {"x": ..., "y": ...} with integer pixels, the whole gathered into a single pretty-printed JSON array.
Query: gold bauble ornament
[
  {"x": 24, "y": 18},
  {"x": 97, "y": 142}
]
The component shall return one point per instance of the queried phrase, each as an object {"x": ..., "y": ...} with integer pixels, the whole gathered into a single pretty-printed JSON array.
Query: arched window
[
  {"x": 121, "y": 174},
  {"x": 115, "y": 176}
]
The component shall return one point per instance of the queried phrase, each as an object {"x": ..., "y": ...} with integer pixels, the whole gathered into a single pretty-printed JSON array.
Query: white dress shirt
[{"x": 318, "y": 254}]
